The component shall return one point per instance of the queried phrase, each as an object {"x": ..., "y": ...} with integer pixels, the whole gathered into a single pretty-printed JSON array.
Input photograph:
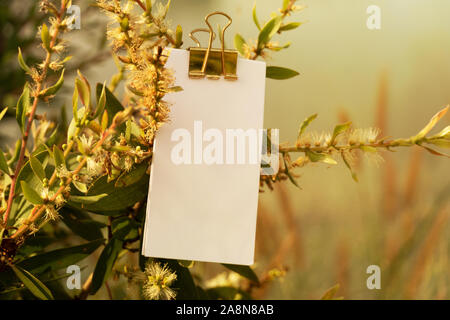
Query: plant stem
[
  {"x": 31, "y": 116},
  {"x": 38, "y": 210}
]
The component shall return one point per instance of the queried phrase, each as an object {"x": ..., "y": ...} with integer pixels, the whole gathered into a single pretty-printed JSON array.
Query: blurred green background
[{"x": 395, "y": 78}]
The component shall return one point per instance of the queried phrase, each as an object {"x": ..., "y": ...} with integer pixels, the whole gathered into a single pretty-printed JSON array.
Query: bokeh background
[{"x": 329, "y": 231}]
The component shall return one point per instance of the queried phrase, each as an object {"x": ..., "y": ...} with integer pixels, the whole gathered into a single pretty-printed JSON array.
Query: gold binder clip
[{"x": 209, "y": 62}]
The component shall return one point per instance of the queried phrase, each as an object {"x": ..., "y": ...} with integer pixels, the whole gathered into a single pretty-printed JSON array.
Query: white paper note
[{"x": 203, "y": 211}]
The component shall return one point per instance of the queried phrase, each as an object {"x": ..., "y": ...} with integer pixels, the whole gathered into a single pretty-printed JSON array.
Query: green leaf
[
  {"x": 239, "y": 43},
  {"x": 22, "y": 107},
  {"x": 288, "y": 173},
  {"x": 31, "y": 195},
  {"x": 26, "y": 173},
  {"x": 347, "y": 163},
  {"x": 3, "y": 164},
  {"x": 22, "y": 62},
  {"x": 60, "y": 258},
  {"x": 45, "y": 37},
  {"x": 443, "y": 143},
  {"x": 58, "y": 155},
  {"x": 124, "y": 229},
  {"x": 184, "y": 280},
  {"x": 178, "y": 37},
  {"x": 445, "y": 133},
  {"x": 436, "y": 153},
  {"x": 36, "y": 287},
  {"x": 82, "y": 224},
  {"x": 268, "y": 31},
  {"x": 186, "y": 263},
  {"x": 88, "y": 199},
  {"x": 331, "y": 293},
  {"x": 82, "y": 187},
  {"x": 166, "y": 9},
  {"x": 37, "y": 168},
  {"x": 305, "y": 124},
  {"x": 290, "y": 26},
  {"x": 112, "y": 104},
  {"x": 53, "y": 89},
  {"x": 255, "y": 17},
  {"x": 132, "y": 177},
  {"x": 105, "y": 264},
  {"x": 279, "y": 73},
  {"x": 438, "y": 116},
  {"x": 285, "y": 4},
  {"x": 118, "y": 198},
  {"x": 339, "y": 129},
  {"x": 73, "y": 124},
  {"x": 16, "y": 154},
  {"x": 3, "y": 112},
  {"x": 244, "y": 271},
  {"x": 279, "y": 48},
  {"x": 101, "y": 102},
  {"x": 320, "y": 157},
  {"x": 75, "y": 104},
  {"x": 84, "y": 90}
]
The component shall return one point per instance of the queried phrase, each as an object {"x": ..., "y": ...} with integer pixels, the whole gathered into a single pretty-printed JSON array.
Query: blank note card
[{"x": 203, "y": 194}]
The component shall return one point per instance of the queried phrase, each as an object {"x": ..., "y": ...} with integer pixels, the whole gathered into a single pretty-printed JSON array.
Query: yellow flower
[{"x": 158, "y": 280}]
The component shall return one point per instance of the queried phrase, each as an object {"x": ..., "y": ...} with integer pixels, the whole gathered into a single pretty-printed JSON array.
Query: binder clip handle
[
  {"x": 204, "y": 62},
  {"x": 191, "y": 35}
]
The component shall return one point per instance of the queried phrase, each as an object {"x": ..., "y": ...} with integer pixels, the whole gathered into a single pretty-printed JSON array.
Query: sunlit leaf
[
  {"x": 101, "y": 102},
  {"x": 3, "y": 112},
  {"x": 255, "y": 17},
  {"x": 37, "y": 168},
  {"x": 22, "y": 107},
  {"x": 53, "y": 89},
  {"x": 31, "y": 195},
  {"x": 84, "y": 90},
  {"x": 112, "y": 103},
  {"x": 239, "y": 43},
  {"x": 347, "y": 163},
  {"x": 178, "y": 37},
  {"x": 338, "y": 130},
  {"x": 58, "y": 155},
  {"x": 330, "y": 294},
  {"x": 290, "y": 26},
  {"x": 438, "y": 116},
  {"x": 3, "y": 164},
  {"x": 434, "y": 152},
  {"x": 22, "y": 62},
  {"x": 45, "y": 37},
  {"x": 305, "y": 124},
  {"x": 268, "y": 31},
  {"x": 443, "y": 143},
  {"x": 82, "y": 187},
  {"x": 288, "y": 173}
]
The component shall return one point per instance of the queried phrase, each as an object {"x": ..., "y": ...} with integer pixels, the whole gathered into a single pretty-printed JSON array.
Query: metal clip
[{"x": 209, "y": 62}]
